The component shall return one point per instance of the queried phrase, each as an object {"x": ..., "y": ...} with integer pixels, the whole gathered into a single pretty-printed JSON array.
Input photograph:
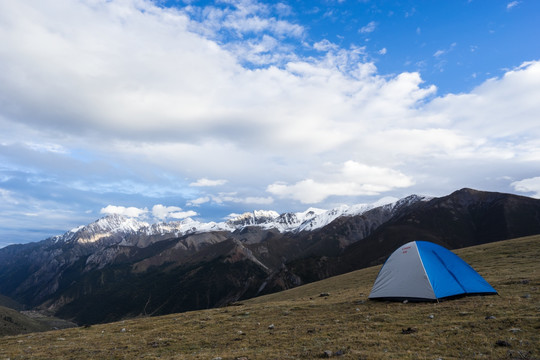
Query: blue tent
[{"x": 421, "y": 270}]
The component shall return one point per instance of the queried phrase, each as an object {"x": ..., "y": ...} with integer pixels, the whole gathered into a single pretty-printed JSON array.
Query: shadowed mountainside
[
  {"x": 301, "y": 324},
  {"x": 111, "y": 278},
  {"x": 464, "y": 218}
]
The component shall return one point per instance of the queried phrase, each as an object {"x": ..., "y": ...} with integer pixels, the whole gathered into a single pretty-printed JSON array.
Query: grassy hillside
[
  {"x": 9, "y": 303},
  {"x": 300, "y": 323},
  {"x": 14, "y": 322}
]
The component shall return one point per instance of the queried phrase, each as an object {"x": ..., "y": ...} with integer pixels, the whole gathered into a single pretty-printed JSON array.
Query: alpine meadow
[{"x": 253, "y": 179}]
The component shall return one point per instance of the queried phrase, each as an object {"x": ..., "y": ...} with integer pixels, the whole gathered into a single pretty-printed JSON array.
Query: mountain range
[{"x": 119, "y": 267}]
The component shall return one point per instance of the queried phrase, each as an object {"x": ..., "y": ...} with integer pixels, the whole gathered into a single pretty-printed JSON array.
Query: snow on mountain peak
[
  {"x": 107, "y": 226},
  {"x": 74, "y": 230},
  {"x": 310, "y": 212},
  {"x": 257, "y": 217},
  {"x": 120, "y": 227},
  {"x": 118, "y": 223},
  {"x": 270, "y": 214}
]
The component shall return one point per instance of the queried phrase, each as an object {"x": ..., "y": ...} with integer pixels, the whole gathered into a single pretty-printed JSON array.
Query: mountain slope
[
  {"x": 13, "y": 322},
  {"x": 116, "y": 268},
  {"x": 464, "y": 218},
  {"x": 345, "y": 323}
]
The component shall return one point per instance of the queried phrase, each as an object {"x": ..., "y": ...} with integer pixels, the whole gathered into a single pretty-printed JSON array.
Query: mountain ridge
[
  {"x": 135, "y": 268},
  {"x": 114, "y": 225},
  {"x": 301, "y": 324}
]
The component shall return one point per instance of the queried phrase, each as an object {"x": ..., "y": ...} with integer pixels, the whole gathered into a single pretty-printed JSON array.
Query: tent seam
[{"x": 424, "y": 268}]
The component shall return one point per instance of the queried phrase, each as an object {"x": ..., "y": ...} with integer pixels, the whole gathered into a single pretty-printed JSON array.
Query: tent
[{"x": 421, "y": 270}]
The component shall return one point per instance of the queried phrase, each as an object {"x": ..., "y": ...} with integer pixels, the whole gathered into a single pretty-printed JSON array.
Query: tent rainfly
[{"x": 421, "y": 270}]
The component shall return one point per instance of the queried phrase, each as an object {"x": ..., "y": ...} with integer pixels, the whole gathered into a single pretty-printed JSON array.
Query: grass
[
  {"x": 15, "y": 322},
  {"x": 306, "y": 324}
]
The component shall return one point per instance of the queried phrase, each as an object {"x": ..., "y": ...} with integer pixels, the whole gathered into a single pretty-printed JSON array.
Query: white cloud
[
  {"x": 163, "y": 213},
  {"x": 353, "y": 179},
  {"x": 502, "y": 111},
  {"x": 8, "y": 197},
  {"x": 198, "y": 201},
  {"x": 369, "y": 28},
  {"x": 193, "y": 89},
  {"x": 439, "y": 53},
  {"x": 325, "y": 45},
  {"x": 264, "y": 51},
  {"x": 159, "y": 212},
  {"x": 258, "y": 200},
  {"x": 247, "y": 20},
  {"x": 531, "y": 185},
  {"x": 207, "y": 182},
  {"x": 232, "y": 216},
  {"x": 163, "y": 95},
  {"x": 284, "y": 9},
  {"x": 129, "y": 187},
  {"x": 234, "y": 198},
  {"x": 382, "y": 51},
  {"x": 54, "y": 148},
  {"x": 125, "y": 211},
  {"x": 410, "y": 13},
  {"x": 512, "y": 5},
  {"x": 244, "y": 18}
]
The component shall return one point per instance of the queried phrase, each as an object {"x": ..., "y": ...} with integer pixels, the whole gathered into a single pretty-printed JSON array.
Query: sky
[{"x": 163, "y": 110}]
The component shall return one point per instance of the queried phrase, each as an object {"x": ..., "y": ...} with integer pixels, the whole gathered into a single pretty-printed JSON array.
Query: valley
[
  {"x": 301, "y": 324},
  {"x": 118, "y": 268}
]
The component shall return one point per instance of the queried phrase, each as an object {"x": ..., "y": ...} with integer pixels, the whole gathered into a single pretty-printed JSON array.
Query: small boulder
[
  {"x": 327, "y": 354},
  {"x": 502, "y": 343},
  {"x": 408, "y": 331},
  {"x": 271, "y": 326},
  {"x": 324, "y": 294}
]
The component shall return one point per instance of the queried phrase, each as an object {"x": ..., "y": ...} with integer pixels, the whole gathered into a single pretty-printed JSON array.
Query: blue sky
[{"x": 164, "y": 110}]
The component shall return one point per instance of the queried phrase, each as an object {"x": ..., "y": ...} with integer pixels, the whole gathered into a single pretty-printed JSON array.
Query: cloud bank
[
  {"x": 129, "y": 102},
  {"x": 158, "y": 213},
  {"x": 353, "y": 179},
  {"x": 531, "y": 185}
]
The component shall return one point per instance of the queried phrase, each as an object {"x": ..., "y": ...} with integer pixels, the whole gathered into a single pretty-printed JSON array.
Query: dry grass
[{"x": 306, "y": 324}]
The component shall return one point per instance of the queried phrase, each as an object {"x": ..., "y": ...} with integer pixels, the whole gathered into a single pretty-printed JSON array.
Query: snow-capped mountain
[
  {"x": 119, "y": 229},
  {"x": 107, "y": 227},
  {"x": 161, "y": 268},
  {"x": 312, "y": 218},
  {"x": 286, "y": 222}
]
